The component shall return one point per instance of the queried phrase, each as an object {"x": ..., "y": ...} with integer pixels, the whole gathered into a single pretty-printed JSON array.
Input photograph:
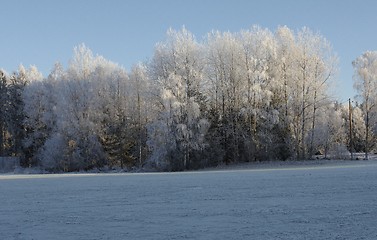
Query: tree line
[{"x": 253, "y": 95}]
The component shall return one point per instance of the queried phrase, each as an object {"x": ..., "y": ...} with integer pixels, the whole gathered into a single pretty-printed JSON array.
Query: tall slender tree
[
  {"x": 365, "y": 82},
  {"x": 3, "y": 109},
  {"x": 177, "y": 67}
]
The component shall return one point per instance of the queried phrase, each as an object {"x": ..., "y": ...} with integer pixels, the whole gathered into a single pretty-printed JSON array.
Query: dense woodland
[{"x": 253, "y": 95}]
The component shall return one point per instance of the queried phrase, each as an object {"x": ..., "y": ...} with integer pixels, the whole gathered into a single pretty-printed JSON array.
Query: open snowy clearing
[{"x": 328, "y": 201}]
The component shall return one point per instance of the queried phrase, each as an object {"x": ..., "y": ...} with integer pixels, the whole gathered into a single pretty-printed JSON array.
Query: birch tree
[
  {"x": 142, "y": 108},
  {"x": 259, "y": 50},
  {"x": 315, "y": 65},
  {"x": 365, "y": 83},
  {"x": 223, "y": 69},
  {"x": 177, "y": 68}
]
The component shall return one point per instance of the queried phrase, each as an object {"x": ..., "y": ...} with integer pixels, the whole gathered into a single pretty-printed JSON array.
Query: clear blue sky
[{"x": 42, "y": 32}]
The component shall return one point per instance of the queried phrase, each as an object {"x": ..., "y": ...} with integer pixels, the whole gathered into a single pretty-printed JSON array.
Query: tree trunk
[
  {"x": 139, "y": 128},
  {"x": 350, "y": 127},
  {"x": 303, "y": 125},
  {"x": 313, "y": 125},
  {"x": 367, "y": 134},
  {"x": 1, "y": 139}
]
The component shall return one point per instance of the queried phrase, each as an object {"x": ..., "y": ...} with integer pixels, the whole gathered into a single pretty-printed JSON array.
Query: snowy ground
[{"x": 326, "y": 201}]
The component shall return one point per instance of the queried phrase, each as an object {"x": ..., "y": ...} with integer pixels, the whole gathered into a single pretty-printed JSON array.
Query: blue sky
[{"x": 42, "y": 32}]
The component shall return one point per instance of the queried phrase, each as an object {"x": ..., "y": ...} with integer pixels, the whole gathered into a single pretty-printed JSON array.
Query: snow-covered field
[{"x": 327, "y": 201}]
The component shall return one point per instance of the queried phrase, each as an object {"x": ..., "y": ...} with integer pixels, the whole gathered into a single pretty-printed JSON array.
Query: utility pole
[{"x": 350, "y": 126}]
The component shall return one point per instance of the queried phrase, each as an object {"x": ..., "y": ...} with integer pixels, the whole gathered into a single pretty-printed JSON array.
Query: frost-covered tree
[
  {"x": 324, "y": 69},
  {"x": 285, "y": 68},
  {"x": 11, "y": 112},
  {"x": 365, "y": 82},
  {"x": 87, "y": 104},
  {"x": 142, "y": 109},
  {"x": 358, "y": 130},
  {"x": 224, "y": 90},
  {"x": 258, "y": 74},
  {"x": 329, "y": 137},
  {"x": 252, "y": 95},
  {"x": 34, "y": 98},
  {"x": 15, "y": 111},
  {"x": 313, "y": 69},
  {"x": 271, "y": 85},
  {"x": 77, "y": 124},
  {"x": 176, "y": 68},
  {"x": 4, "y": 101},
  {"x": 85, "y": 116},
  {"x": 41, "y": 119},
  {"x": 114, "y": 106}
]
